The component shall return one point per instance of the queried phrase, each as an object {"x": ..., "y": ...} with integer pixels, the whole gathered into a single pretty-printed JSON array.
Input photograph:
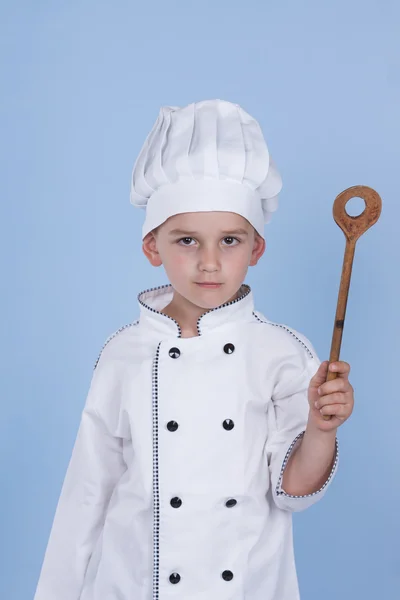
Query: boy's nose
[{"x": 209, "y": 259}]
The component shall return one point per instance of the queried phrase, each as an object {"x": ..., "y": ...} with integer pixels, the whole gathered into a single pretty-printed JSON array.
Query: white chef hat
[{"x": 207, "y": 156}]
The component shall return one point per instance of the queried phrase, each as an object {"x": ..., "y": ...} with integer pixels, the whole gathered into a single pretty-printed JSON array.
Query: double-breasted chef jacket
[{"x": 174, "y": 487}]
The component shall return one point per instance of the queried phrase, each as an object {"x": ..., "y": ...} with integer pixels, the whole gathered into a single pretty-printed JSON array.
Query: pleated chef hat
[{"x": 207, "y": 156}]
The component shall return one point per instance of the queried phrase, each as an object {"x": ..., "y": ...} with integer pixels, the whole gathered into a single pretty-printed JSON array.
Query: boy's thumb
[{"x": 320, "y": 375}]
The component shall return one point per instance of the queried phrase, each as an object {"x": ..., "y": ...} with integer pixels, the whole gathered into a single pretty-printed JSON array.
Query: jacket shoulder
[
  {"x": 286, "y": 336},
  {"x": 293, "y": 357},
  {"x": 118, "y": 337}
]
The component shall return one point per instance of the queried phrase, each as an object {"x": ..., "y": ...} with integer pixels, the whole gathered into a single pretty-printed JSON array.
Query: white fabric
[
  {"x": 115, "y": 535},
  {"x": 209, "y": 155}
]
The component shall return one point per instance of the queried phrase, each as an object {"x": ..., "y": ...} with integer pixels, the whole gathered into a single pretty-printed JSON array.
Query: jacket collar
[{"x": 151, "y": 301}]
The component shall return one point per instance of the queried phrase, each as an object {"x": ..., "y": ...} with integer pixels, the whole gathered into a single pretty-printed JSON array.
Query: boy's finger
[
  {"x": 337, "y": 410},
  {"x": 341, "y": 367},
  {"x": 339, "y": 384},
  {"x": 336, "y": 398}
]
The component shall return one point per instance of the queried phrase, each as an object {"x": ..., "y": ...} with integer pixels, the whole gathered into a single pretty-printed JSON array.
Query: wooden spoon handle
[
  {"x": 341, "y": 306},
  {"x": 353, "y": 228}
]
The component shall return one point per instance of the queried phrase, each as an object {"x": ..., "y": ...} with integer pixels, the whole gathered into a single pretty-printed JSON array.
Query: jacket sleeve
[
  {"x": 95, "y": 467},
  {"x": 287, "y": 424}
]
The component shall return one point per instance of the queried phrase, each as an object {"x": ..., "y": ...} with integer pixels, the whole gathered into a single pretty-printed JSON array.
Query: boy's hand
[{"x": 336, "y": 397}]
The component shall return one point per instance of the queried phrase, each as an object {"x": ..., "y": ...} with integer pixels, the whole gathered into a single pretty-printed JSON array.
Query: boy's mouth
[{"x": 209, "y": 285}]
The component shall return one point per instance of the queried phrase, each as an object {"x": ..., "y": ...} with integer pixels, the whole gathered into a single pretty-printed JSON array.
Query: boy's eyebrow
[{"x": 185, "y": 231}]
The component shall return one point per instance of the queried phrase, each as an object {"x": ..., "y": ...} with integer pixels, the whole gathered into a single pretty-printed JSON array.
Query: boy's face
[{"x": 205, "y": 247}]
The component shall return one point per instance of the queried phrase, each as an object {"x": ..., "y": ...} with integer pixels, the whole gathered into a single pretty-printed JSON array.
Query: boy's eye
[
  {"x": 231, "y": 238},
  {"x": 186, "y": 238},
  {"x": 225, "y": 238}
]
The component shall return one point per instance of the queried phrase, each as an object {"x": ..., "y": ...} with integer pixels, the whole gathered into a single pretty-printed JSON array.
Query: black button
[
  {"x": 174, "y": 352},
  {"x": 231, "y": 502},
  {"x": 175, "y": 578},
  {"x": 176, "y": 502},
  {"x": 228, "y": 424},
  {"x": 229, "y": 348},
  {"x": 227, "y": 575},
  {"x": 172, "y": 425}
]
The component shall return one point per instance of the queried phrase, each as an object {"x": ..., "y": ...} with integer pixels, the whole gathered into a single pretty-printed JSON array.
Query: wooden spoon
[{"x": 353, "y": 228}]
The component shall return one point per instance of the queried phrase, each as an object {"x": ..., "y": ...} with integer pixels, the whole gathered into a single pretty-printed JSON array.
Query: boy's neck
[{"x": 186, "y": 313}]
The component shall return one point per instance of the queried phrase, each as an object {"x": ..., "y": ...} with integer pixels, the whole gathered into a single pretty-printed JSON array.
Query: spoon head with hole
[{"x": 354, "y": 227}]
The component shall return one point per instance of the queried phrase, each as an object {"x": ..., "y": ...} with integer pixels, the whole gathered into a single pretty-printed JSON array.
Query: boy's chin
[{"x": 209, "y": 298}]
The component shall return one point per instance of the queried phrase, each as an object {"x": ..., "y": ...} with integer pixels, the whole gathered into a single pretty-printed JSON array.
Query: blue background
[{"x": 82, "y": 84}]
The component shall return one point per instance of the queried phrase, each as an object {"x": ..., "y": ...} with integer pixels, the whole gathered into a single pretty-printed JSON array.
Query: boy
[{"x": 203, "y": 427}]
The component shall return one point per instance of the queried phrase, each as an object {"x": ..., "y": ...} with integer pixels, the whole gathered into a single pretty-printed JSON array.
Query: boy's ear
[
  {"x": 258, "y": 249},
  {"x": 149, "y": 247}
]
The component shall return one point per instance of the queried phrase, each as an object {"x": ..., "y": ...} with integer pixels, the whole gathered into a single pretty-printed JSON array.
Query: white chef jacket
[{"x": 173, "y": 490}]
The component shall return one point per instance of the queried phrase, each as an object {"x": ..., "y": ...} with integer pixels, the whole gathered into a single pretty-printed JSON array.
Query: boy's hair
[{"x": 154, "y": 231}]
